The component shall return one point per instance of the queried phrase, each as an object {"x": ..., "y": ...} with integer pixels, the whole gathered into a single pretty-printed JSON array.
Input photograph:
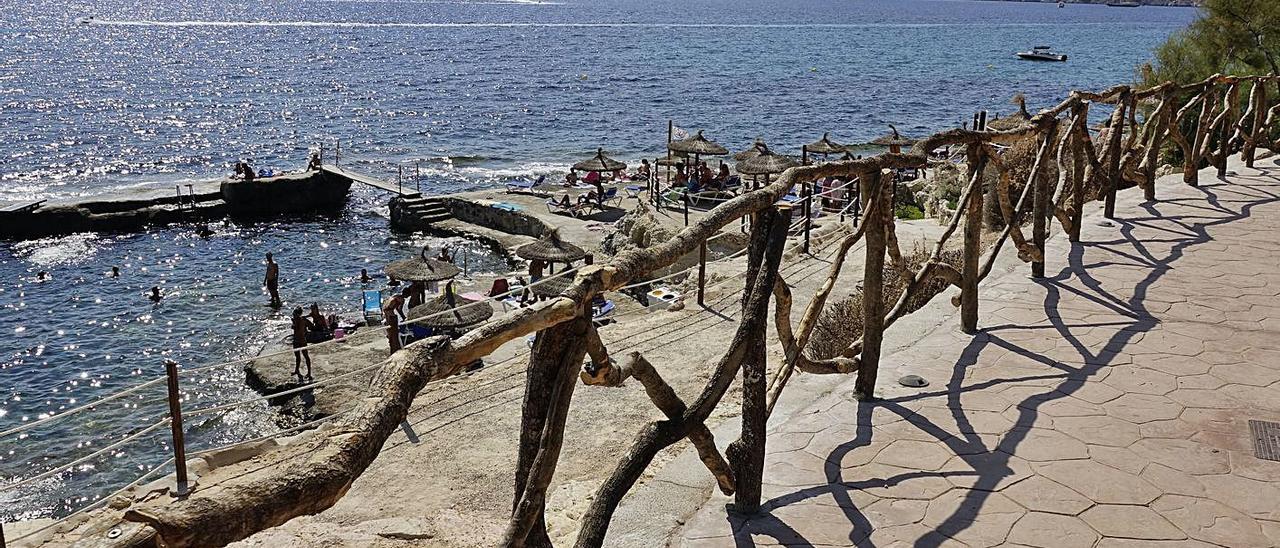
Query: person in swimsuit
[
  {"x": 155, "y": 294},
  {"x": 392, "y": 314},
  {"x": 300, "y": 328},
  {"x": 272, "y": 281}
]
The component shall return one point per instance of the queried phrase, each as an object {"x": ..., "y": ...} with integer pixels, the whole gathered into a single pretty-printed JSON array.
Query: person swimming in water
[
  {"x": 115, "y": 272},
  {"x": 155, "y": 294},
  {"x": 364, "y": 276}
]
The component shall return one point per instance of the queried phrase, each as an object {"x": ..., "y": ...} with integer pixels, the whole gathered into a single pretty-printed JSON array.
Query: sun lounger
[
  {"x": 611, "y": 196},
  {"x": 573, "y": 210},
  {"x": 633, "y": 191},
  {"x": 525, "y": 185},
  {"x": 603, "y": 310}
]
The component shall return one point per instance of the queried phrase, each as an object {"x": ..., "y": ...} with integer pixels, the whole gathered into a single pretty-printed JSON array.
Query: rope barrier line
[
  {"x": 75, "y": 410},
  {"x": 86, "y": 458},
  {"x": 303, "y": 388},
  {"x": 291, "y": 430},
  {"x": 284, "y": 352},
  {"x": 96, "y": 503}
]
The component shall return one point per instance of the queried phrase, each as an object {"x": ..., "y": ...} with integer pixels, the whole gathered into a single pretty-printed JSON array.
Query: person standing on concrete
[
  {"x": 300, "y": 328},
  {"x": 391, "y": 314},
  {"x": 272, "y": 281}
]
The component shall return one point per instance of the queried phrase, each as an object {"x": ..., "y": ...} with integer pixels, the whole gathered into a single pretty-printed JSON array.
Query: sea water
[{"x": 465, "y": 94}]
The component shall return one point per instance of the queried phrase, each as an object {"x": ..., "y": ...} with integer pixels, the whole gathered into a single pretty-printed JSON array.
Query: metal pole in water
[
  {"x": 175, "y": 425},
  {"x": 400, "y": 178},
  {"x": 337, "y": 153},
  {"x": 417, "y": 175}
]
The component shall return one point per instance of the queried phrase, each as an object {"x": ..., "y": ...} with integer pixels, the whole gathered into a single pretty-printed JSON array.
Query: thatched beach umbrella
[
  {"x": 421, "y": 269},
  {"x": 600, "y": 162},
  {"x": 766, "y": 163},
  {"x": 751, "y": 152},
  {"x": 823, "y": 146},
  {"x": 894, "y": 140},
  {"x": 1013, "y": 120},
  {"x": 697, "y": 146},
  {"x": 449, "y": 310},
  {"x": 551, "y": 249}
]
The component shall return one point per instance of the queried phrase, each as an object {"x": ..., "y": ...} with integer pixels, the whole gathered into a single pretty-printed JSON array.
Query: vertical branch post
[
  {"x": 1113, "y": 152},
  {"x": 807, "y": 210},
  {"x": 872, "y": 284},
  {"x": 685, "y": 199},
  {"x": 702, "y": 273},
  {"x": 1040, "y": 202},
  {"x": 175, "y": 425},
  {"x": 337, "y": 153},
  {"x": 1257, "y": 127},
  {"x": 1078, "y": 141},
  {"x": 1155, "y": 142},
  {"x": 972, "y": 242},
  {"x": 1230, "y": 112},
  {"x": 746, "y": 454}
]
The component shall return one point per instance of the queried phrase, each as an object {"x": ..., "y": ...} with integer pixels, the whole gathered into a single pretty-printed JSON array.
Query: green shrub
[{"x": 908, "y": 212}]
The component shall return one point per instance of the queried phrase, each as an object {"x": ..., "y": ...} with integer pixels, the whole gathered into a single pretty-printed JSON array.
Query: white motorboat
[{"x": 1042, "y": 53}]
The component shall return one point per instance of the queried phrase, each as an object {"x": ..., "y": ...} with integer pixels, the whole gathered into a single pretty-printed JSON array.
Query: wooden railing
[{"x": 312, "y": 475}]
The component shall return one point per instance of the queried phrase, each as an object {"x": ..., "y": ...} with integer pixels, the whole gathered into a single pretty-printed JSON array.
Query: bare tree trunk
[
  {"x": 1078, "y": 144},
  {"x": 1155, "y": 142},
  {"x": 1226, "y": 128},
  {"x": 873, "y": 286},
  {"x": 557, "y": 354},
  {"x": 1113, "y": 153},
  {"x": 972, "y": 247},
  {"x": 1040, "y": 203}
]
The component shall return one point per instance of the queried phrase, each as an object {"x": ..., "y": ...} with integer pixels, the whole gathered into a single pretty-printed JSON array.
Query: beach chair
[
  {"x": 633, "y": 191},
  {"x": 602, "y": 310},
  {"x": 611, "y": 196},
  {"x": 573, "y": 210},
  {"x": 524, "y": 185},
  {"x": 372, "y": 307}
]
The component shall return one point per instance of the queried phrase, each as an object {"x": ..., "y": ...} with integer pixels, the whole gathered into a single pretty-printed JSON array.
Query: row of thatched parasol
[{"x": 449, "y": 310}]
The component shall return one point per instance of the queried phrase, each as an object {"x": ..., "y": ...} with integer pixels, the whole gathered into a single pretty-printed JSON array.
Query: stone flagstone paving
[{"x": 1105, "y": 405}]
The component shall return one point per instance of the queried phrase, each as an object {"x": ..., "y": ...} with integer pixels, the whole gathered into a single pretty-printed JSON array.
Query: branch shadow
[{"x": 991, "y": 465}]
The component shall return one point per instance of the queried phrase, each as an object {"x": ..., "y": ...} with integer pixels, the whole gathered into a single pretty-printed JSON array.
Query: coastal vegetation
[{"x": 1230, "y": 37}]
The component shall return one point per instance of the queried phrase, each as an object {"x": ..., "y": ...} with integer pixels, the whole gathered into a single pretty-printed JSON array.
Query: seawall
[{"x": 309, "y": 191}]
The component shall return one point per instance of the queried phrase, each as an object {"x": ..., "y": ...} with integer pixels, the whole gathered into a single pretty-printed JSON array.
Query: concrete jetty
[{"x": 125, "y": 211}]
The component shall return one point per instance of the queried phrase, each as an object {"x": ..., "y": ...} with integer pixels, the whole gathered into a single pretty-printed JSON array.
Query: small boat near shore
[
  {"x": 85, "y": 20},
  {"x": 1042, "y": 53}
]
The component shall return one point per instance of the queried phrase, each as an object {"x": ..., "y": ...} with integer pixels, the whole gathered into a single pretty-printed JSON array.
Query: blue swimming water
[{"x": 471, "y": 93}]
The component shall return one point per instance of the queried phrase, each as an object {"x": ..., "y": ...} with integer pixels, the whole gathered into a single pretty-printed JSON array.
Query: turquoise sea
[{"x": 471, "y": 92}]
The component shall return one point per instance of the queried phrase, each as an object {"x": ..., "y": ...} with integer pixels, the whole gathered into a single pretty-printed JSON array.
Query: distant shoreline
[{"x": 1157, "y": 3}]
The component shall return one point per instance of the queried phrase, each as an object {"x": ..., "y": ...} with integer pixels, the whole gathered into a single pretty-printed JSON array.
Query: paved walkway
[{"x": 1106, "y": 405}]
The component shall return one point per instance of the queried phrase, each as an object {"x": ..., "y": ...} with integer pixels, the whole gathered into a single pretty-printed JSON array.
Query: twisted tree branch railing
[{"x": 312, "y": 474}]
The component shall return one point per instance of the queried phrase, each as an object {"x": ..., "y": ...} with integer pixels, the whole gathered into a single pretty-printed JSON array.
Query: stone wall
[{"x": 512, "y": 222}]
